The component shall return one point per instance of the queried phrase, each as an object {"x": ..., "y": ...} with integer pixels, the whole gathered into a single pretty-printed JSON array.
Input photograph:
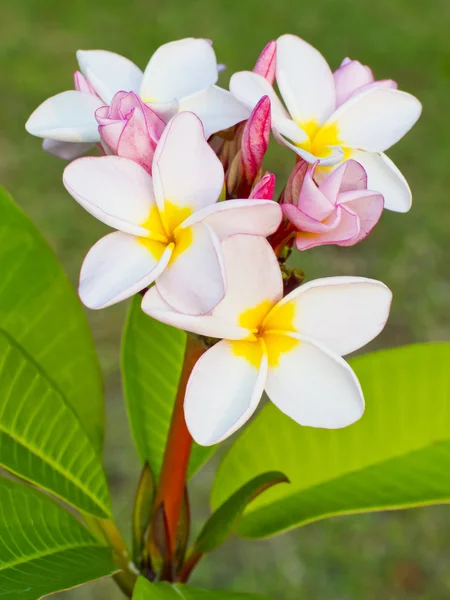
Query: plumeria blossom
[
  {"x": 340, "y": 210},
  {"x": 129, "y": 128},
  {"x": 290, "y": 347},
  {"x": 169, "y": 225},
  {"x": 372, "y": 119},
  {"x": 180, "y": 76}
]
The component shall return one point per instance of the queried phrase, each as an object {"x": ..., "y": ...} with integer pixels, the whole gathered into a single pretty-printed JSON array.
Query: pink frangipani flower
[
  {"x": 290, "y": 347},
  {"x": 340, "y": 210},
  {"x": 313, "y": 124},
  {"x": 352, "y": 77},
  {"x": 170, "y": 227},
  {"x": 129, "y": 128},
  {"x": 180, "y": 76}
]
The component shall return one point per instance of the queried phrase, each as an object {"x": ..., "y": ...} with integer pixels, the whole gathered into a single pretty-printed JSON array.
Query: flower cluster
[{"x": 198, "y": 232}]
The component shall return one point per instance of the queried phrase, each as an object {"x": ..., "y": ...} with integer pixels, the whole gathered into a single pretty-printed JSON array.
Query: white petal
[
  {"x": 118, "y": 266},
  {"x": 254, "y": 281},
  {"x": 252, "y": 217},
  {"x": 208, "y": 325},
  {"x": 223, "y": 392},
  {"x": 218, "y": 109},
  {"x": 315, "y": 387},
  {"x": 343, "y": 313},
  {"x": 194, "y": 281},
  {"x": 178, "y": 69},
  {"x": 117, "y": 191},
  {"x": 249, "y": 88},
  {"x": 375, "y": 119},
  {"x": 305, "y": 80},
  {"x": 66, "y": 117},
  {"x": 65, "y": 150},
  {"x": 335, "y": 157},
  {"x": 186, "y": 171},
  {"x": 384, "y": 177},
  {"x": 109, "y": 72}
]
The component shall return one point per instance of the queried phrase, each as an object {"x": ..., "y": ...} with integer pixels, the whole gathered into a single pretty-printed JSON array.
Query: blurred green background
[{"x": 390, "y": 556}]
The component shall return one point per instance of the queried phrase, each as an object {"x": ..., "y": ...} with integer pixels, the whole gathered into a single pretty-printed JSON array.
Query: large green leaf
[
  {"x": 41, "y": 437},
  {"x": 39, "y": 308},
  {"x": 396, "y": 456},
  {"x": 44, "y": 549},
  {"x": 152, "y": 359},
  {"x": 145, "y": 590}
]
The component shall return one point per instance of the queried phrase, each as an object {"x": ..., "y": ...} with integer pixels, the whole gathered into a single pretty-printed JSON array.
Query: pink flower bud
[
  {"x": 264, "y": 189},
  {"x": 255, "y": 139},
  {"x": 352, "y": 76},
  {"x": 340, "y": 210},
  {"x": 265, "y": 65},
  {"x": 129, "y": 128}
]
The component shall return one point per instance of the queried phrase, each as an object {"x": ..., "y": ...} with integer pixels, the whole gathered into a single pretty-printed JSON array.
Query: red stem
[{"x": 178, "y": 450}]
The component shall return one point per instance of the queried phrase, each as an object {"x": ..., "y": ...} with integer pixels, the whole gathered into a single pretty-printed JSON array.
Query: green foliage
[
  {"x": 152, "y": 358},
  {"x": 145, "y": 590},
  {"x": 396, "y": 456},
  {"x": 223, "y": 521},
  {"x": 40, "y": 310},
  {"x": 42, "y": 439},
  {"x": 142, "y": 509},
  {"x": 44, "y": 549}
]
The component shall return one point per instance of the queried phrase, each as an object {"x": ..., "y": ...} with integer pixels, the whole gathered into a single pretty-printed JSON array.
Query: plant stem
[{"x": 174, "y": 469}]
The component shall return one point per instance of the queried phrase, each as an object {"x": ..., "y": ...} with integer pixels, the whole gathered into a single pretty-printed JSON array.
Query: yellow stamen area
[
  {"x": 183, "y": 240},
  {"x": 155, "y": 248},
  {"x": 154, "y": 225},
  {"x": 173, "y": 215},
  {"x": 321, "y": 138},
  {"x": 267, "y": 324}
]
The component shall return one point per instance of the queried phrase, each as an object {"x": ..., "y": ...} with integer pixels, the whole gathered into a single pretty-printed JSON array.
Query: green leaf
[
  {"x": 44, "y": 549},
  {"x": 145, "y": 590},
  {"x": 39, "y": 308},
  {"x": 152, "y": 359},
  {"x": 142, "y": 510},
  {"x": 42, "y": 439},
  {"x": 396, "y": 456},
  {"x": 223, "y": 521}
]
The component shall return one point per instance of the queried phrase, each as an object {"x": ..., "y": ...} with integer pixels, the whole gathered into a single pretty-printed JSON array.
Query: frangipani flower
[
  {"x": 291, "y": 347},
  {"x": 340, "y": 210},
  {"x": 169, "y": 226},
  {"x": 368, "y": 123},
  {"x": 352, "y": 76},
  {"x": 180, "y": 76},
  {"x": 130, "y": 128}
]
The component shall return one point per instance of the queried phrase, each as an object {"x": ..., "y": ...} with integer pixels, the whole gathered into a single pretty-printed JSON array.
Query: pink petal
[
  {"x": 346, "y": 228},
  {"x": 350, "y": 76},
  {"x": 312, "y": 201},
  {"x": 369, "y": 208},
  {"x": 349, "y": 176},
  {"x": 264, "y": 189},
  {"x": 255, "y": 139},
  {"x": 265, "y": 65},
  {"x": 295, "y": 182},
  {"x": 81, "y": 84}
]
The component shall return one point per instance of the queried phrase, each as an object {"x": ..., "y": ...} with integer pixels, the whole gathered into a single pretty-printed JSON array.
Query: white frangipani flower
[
  {"x": 291, "y": 347},
  {"x": 371, "y": 120},
  {"x": 169, "y": 225},
  {"x": 180, "y": 76}
]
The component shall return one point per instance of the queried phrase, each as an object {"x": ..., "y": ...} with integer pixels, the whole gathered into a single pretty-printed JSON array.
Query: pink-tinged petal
[
  {"x": 369, "y": 208},
  {"x": 217, "y": 109},
  {"x": 117, "y": 191},
  {"x": 65, "y": 150},
  {"x": 307, "y": 227},
  {"x": 140, "y": 136},
  {"x": 264, "y": 189},
  {"x": 254, "y": 280},
  {"x": 344, "y": 231},
  {"x": 315, "y": 387},
  {"x": 250, "y": 217},
  {"x": 109, "y": 72},
  {"x": 312, "y": 201},
  {"x": 384, "y": 177},
  {"x": 343, "y": 313},
  {"x": 223, "y": 392},
  {"x": 255, "y": 139},
  {"x": 375, "y": 119},
  {"x": 207, "y": 325},
  {"x": 350, "y": 76},
  {"x": 349, "y": 176},
  {"x": 295, "y": 182},
  {"x": 186, "y": 171},
  {"x": 81, "y": 84},
  {"x": 66, "y": 117},
  {"x": 266, "y": 63},
  {"x": 194, "y": 281},
  {"x": 305, "y": 80},
  {"x": 249, "y": 87},
  {"x": 118, "y": 266},
  {"x": 179, "y": 69}
]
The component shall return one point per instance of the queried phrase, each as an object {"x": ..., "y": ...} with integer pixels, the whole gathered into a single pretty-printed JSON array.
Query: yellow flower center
[{"x": 321, "y": 139}]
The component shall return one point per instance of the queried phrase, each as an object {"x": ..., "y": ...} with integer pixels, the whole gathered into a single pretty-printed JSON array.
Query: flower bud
[
  {"x": 129, "y": 128},
  {"x": 265, "y": 65},
  {"x": 264, "y": 189},
  {"x": 340, "y": 210}
]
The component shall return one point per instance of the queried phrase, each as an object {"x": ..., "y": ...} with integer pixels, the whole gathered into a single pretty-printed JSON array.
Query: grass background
[{"x": 390, "y": 556}]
